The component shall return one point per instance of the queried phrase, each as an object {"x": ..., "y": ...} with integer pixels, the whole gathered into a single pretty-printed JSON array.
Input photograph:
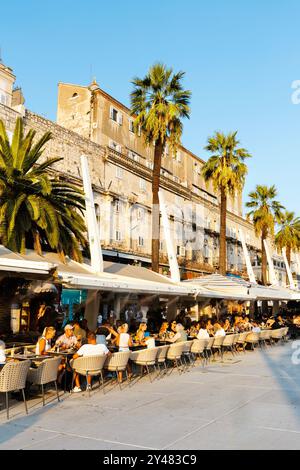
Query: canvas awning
[
  {"x": 221, "y": 287},
  {"x": 266, "y": 292},
  {"x": 15, "y": 263}
]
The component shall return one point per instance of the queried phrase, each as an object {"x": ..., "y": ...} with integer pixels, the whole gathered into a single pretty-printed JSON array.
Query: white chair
[
  {"x": 161, "y": 358},
  {"x": 277, "y": 335},
  {"x": 228, "y": 343},
  {"x": 186, "y": 353},
  {"x": 217, "y": 345},
  {"x": 208, "y": 348},
  {"x": 13, "y": 377},
  {"x": 252, "y": 339},
  {"x": 198, "y": 348},
  {"x": 174, "y": 354},
  {"x": 89, "y": 366},
  {"x": 145, "y": 358},
  {"x": 117, "y": 362},
  {"x": 45, "y": 373},
  {"x": 241, "y": 341}
]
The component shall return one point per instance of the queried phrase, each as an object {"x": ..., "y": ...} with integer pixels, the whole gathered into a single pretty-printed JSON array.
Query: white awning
[
  {"x": 221, "y": 287},
  {"x": 266, "y": 292},
  {"x": 16, "y": 263}
]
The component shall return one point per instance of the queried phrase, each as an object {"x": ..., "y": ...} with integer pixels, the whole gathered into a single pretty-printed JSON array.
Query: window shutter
[
  {"x": 111, "y": 110},
  {"x": 120, "y": 118}
]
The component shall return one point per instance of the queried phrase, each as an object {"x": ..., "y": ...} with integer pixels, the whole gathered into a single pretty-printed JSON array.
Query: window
[
  {"x": 161, "y": 245},
  {"x": 118, "y": 236},
  {"x": 176, "y": 179},
  {"x": 178, "y": 157},
  {"x": 180, "y": 250},
  {"x": 149, "y": 164},
  {"x": 118, "y": 206},
  {"x": 141, "y": 241},
  {"x": 115, "y": 146},
  {"x": 119, "y": 172},
  {"x": 3, "y": 99},
  {"x": 131, "y": 126},
  {"x": 116, "y": 116},
  {"x": 142, "y": 184},
  {"x": 140, "y": 214},
  {"x": 133, "y": 155}
]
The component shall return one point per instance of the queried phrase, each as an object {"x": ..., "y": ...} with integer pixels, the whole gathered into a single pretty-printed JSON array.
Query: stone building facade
[{"x": 93, "y": 123}]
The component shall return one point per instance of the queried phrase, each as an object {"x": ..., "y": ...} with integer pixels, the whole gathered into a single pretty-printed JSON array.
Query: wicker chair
[
  {"x": 252, "y": 339},
  {"x": 44, "y": 374},
  {"x": 13, "y": 377},
  {"x": 145, "y": 358},
  {"x": 217, "y": 345},
  {"x": 208, "y": 348},
  {"x": 89, "y": 366},
  {"x": 264, "y": 336},
  {"x": 277, "y": 335},
  {"x": 241, "y": 341},
  {"x": 161, "y": 358},
  {"x": 186, "y": 353},
  {"x": 285, "y": 333},
  {"x": 228, "y": 343},
  {"x": 117, "y": 362},
  {"x": 198, "y": 348},
  {"x": 174, "y": 354}
]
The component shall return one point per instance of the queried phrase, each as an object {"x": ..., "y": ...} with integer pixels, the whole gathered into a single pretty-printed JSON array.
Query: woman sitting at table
[
  {"x": 210, "y": 328},
  {"x": 180, "y": 334},
  {"x": 163, "y": 332},
  {"x": 44, "y": 343},
  {"x": 203, "y": 333},
  {"x": 194, "y": 330},
  {"x": 123, "y": 338},
  {"x": 140, "y": 334},
  {"x": 219, "y": 330},
  {"x": 227, "y": 325}
]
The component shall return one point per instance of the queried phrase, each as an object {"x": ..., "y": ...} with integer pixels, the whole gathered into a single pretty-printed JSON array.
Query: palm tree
[
  {"x": 36, "y": 209},
  {"x": 159, "y": 102},
  {"x": 265, "y": 212},
  {"x": 227, "y": 171},
  {"x": 288, "y": 235}
]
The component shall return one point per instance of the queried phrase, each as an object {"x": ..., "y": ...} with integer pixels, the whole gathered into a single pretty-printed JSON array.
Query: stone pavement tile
[
  {"x": 263, "y": 414},
  {"x": 224, "y": 436},
  {"x": 14, "y": 437}
]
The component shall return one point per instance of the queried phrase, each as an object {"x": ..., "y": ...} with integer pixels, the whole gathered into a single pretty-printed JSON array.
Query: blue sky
[{"x": 240, "y": 59}]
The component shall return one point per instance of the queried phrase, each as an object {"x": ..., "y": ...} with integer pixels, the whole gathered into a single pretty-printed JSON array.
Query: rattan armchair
[
  {"x": 45, "y": 373},
  {"x": 13, "y": 377},
  {"x": 89, "y": 366}
]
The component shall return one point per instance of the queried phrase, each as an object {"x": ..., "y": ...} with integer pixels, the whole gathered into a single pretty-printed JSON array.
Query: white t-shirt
[
  {"x": 92, "y": 350},
  {"x": 220, "y": 332},
  {"x": 2, "y": 356},
  {"x": 203, "y": 334}
]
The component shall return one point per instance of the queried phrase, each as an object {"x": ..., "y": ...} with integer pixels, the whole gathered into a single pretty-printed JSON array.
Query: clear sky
[{"x": 240, "y": 59}]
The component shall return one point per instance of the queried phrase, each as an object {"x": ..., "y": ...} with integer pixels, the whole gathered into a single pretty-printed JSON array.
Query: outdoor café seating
[
  {"x": 117, "y": 362},
  {"x": 44, "y": 374},
  {"x": 198, "y": 348},
  {"x": 13, "y": 377},
  {"x": 174, "y": 354},
  {"x": 145, "y": 358},
  {"x": 161, "y": 358},
  {"x": 89, "y": 366}
]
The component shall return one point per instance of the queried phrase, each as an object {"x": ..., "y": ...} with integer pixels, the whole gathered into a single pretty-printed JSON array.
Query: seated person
[
  {"x": 227, "y": 325},
  {"x": 89, "y": 349},
  {"x": 79, "y": 332},
  {"x": 2, "y": 352},
  {"x": 194, "y": 329},
  {"x": 219, "y": 330},
  {"x": 255, "y": 327},
  {"x": 68, "y": 340},
  {"x": 140, "y": 334},
  {"x": 203, "y": 333},
  {"x": 210, "y": 328},
  {"x": 149, "y": 340},
  {"x": 44, "y": 342},
  {"x": 163, "y": 330},
  {"x": 103, "y": 334},
  {"x": 180, "y": 335}
]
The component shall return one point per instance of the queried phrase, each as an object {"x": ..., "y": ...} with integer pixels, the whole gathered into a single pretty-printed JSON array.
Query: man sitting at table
[
  {"x": 89, "y": 349},
  {"x": 68, "y": 340}
]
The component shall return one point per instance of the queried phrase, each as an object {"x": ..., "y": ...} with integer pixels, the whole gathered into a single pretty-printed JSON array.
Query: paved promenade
[{"x": 251, "y": 401}]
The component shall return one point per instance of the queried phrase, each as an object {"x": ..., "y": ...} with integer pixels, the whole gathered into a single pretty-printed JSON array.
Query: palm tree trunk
[
  {"x": 263, "y": 260},
  {"x": 155, "y": 206},
  {"x": 223, "y": 251},
  {"x": 288, "y": 255},
  {"x": 37, "y": 242}
]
